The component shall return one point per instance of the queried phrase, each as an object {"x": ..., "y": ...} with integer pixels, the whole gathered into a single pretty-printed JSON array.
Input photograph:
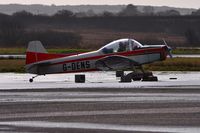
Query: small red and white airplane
[{"x": 122, "y": 54}]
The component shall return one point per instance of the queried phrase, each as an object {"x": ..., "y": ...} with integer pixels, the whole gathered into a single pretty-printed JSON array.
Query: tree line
[
  {"x": 21, "y": 27},
  {"x": 15, "y": 31},
  {"x": 129, "y": 10}
]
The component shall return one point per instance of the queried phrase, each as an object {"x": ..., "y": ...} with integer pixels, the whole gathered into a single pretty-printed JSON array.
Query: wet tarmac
[{"x": 54, "y": 103}]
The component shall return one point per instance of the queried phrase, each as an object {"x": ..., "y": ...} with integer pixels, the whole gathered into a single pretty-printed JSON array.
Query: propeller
[{"x": 169, "y": 49}]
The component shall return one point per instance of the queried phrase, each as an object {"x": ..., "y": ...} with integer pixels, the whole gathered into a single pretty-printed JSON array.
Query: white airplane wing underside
[{"x": 115, "y": 63}]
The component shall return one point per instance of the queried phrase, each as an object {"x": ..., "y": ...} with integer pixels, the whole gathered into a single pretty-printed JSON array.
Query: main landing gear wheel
[{"x": 136, "y": 76}]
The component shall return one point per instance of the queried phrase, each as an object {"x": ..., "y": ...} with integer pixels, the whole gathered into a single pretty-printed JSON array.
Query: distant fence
[
  {"x": 12, "y": 56},
  {"x": 24, "y": 56}
]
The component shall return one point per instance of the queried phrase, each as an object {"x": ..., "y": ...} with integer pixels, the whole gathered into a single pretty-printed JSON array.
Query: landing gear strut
[{"x": 31, "y": 79}]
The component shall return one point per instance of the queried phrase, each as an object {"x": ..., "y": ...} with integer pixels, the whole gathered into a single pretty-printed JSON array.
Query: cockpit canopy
[{"x": 121, "y": 45}]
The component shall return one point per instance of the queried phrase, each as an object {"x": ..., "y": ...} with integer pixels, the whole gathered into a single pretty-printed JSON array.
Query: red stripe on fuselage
[
  {"x": 129, "y": 53},
  {"x": 32, "y": 57}
]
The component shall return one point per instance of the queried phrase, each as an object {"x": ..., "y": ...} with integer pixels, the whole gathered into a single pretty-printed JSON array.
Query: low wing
[{"x": 115, "y": 62}]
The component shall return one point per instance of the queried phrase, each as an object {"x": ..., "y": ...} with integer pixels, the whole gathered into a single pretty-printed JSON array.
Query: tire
[{"x": 30, "y": 80}]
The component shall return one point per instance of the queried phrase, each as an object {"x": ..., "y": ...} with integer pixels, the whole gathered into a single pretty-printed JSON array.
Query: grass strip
[
  {"x": 185, "y": 51},
  {"x": 175, "y": 64},
  {"x": 23, "y": 51},
  {"x": 12, "y": 65}
]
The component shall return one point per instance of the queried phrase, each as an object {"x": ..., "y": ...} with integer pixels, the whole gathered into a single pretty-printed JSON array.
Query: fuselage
[{"x": 86, "y": 61}]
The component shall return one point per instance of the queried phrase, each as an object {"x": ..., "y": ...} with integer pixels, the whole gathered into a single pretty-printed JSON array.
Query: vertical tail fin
[{"x": 34, "y": 47}]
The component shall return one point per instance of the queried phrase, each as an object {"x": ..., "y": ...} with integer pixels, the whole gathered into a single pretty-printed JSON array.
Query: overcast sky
[{"x": 174, "y": 3}]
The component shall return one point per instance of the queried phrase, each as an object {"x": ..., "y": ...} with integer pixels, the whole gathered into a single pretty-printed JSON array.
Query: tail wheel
[{"x": 31, "y": 80}]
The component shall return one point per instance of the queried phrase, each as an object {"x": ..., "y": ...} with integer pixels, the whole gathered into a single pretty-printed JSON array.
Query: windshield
[{"x": 121, "y": 45}]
